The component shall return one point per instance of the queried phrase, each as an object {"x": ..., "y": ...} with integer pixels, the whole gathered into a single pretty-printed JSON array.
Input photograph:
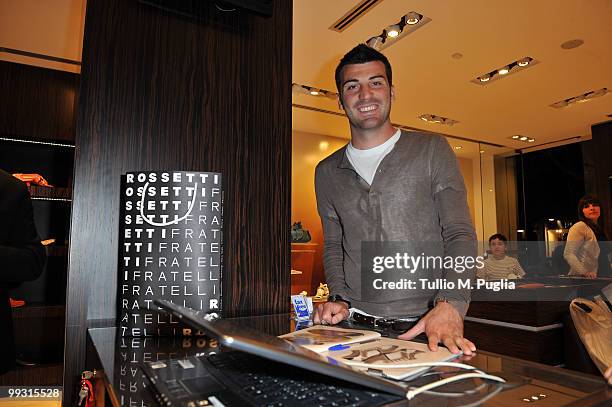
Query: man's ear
[{"x": 392, "y": 93}]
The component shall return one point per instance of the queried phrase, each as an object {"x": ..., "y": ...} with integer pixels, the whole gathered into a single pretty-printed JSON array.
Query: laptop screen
[{"x": 279, "y": 350}]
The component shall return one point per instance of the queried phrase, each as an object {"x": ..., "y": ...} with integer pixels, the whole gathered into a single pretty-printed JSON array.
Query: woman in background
[{"x": 585, "y": 241}]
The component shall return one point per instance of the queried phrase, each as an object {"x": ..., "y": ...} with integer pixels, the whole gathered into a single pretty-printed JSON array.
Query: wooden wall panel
[
  {"x": 166, "y": 92},
  {"x": 37, "y": 103}
]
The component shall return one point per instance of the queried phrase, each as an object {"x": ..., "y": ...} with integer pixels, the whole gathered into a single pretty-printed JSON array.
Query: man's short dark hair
[
  {"x": 498, "y": 236},
  {"x": 360, "y": 55}
]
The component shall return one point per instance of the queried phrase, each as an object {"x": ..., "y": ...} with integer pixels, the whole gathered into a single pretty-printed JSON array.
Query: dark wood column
[{"x": 160, "y": 91}]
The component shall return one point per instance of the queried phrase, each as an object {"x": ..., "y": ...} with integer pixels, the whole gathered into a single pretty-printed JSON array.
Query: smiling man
[{"x": 387, "y": 185}]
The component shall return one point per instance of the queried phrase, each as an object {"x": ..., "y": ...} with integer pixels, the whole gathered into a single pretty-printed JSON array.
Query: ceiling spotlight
[
  {"x": 504, "y": 70},
  {"x": 484, "y": 78},
  {"x": 524, "y": 138},
  {"x": 516, "y": 137},
  {"x": 531, "y": 140},
  {"x": 481, "y": 151},
  {"x": 585, "y": 97},
  {"x": 314, "y": 92},
  {"x": 375, "y": 42},
  {"x": 412, "y": 18},
  {"x": 596, "y": 93},
  {"x": 457, "y": 147},
  {"x": 524, "y": 62},
  {"x": 393, "y": 31},
  {"x": 425, "y": 118}
]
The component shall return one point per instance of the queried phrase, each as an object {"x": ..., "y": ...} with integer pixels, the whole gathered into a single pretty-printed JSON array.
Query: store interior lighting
[
  {"x": 525, "y": 139},
  {"x": 505, "y": 70},
  {"x": 585, "y": 97},
  {"x": 432, "y": 118},
  {"x": 394, "y": 32},
  {"x": 312, "y": 91}
]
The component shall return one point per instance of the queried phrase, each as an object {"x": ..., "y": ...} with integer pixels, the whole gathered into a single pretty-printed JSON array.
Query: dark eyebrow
[{"x": 370, "y": 78}]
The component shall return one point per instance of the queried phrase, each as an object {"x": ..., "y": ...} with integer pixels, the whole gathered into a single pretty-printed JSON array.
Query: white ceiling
[
  {"x": 427, "y": 79},
  {"x": 489, "y": 34},
  {"x": 48, "y": 27}
]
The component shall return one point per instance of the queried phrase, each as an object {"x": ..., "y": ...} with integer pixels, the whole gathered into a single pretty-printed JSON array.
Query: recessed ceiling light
[
  {"x": 406, "y": 25},
  {"x": 432, "y": 118},
  {"x": 525, "y": 139},
  {"x": 524, "y": 62},
  {"x": 481, "y": 151},
  {"x": 392, "y": 31},
  {"x": 585, "y": 97},
  {"x": 412, "y": 18},
  {"x": 457, "y": 147},
  {"x": 457, "y": 55},
  {"x": 312, "y": 91},
  {"x": 504, "y": 70},
  {"x": 572, "y": 44}
]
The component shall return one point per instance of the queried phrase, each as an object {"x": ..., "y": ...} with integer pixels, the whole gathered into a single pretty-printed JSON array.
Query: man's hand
[
  {"x": 590, "y": 274},
  {"x": 331, "y": 313},
  {"x": 443, "y": 324}
]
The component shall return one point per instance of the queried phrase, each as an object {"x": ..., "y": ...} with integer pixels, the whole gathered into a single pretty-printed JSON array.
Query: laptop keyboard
[{"x": 267, "y": 383}]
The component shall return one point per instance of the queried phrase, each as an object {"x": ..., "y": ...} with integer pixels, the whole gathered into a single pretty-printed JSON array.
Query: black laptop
[{"x": 257, "y": 369}]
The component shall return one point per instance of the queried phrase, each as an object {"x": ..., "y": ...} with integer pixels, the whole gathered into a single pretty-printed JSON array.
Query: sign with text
[{"x": 171, "y": 247}]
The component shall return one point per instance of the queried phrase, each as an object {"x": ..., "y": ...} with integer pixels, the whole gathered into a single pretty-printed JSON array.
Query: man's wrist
[
  {"x": 339, "y": 298},
  {"x": 460, "y": 306}
]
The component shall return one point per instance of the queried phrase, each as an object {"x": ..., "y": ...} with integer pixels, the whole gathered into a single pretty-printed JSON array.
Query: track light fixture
[
  {"x": 585, "y": 97},
  {"x": 505, "y": 70},
  {"x": 524, "y": 62},
  {"x": 525, "y": 139},
  {"x": 412, "y": 18},
  {"x": 432, "y": 118},
  {"x": 311, "y": 90},
  {"x": 393, "y": 32},
  {"x": 484, "y": 77},
  {"x": 375, "y": 42}
]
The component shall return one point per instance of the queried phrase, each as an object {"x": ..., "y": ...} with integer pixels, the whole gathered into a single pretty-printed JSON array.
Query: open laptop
[{"x": 261, "y": 369}]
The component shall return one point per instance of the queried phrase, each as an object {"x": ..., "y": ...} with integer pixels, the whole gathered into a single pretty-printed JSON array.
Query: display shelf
[
  {"x": 51, "y": 193},
  {"x": 38, "y": 310},
  {"x": 40, "y": 141}
]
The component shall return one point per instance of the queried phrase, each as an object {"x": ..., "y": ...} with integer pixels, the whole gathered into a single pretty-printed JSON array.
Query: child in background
[{"x": 498, "y": 265}]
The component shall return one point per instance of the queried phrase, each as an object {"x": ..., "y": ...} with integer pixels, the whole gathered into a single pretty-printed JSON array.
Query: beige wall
[
  {"x": 49, "y": 27},
  {"x": 307, "y": 150},
  {"x": 466, "y": 168}
]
